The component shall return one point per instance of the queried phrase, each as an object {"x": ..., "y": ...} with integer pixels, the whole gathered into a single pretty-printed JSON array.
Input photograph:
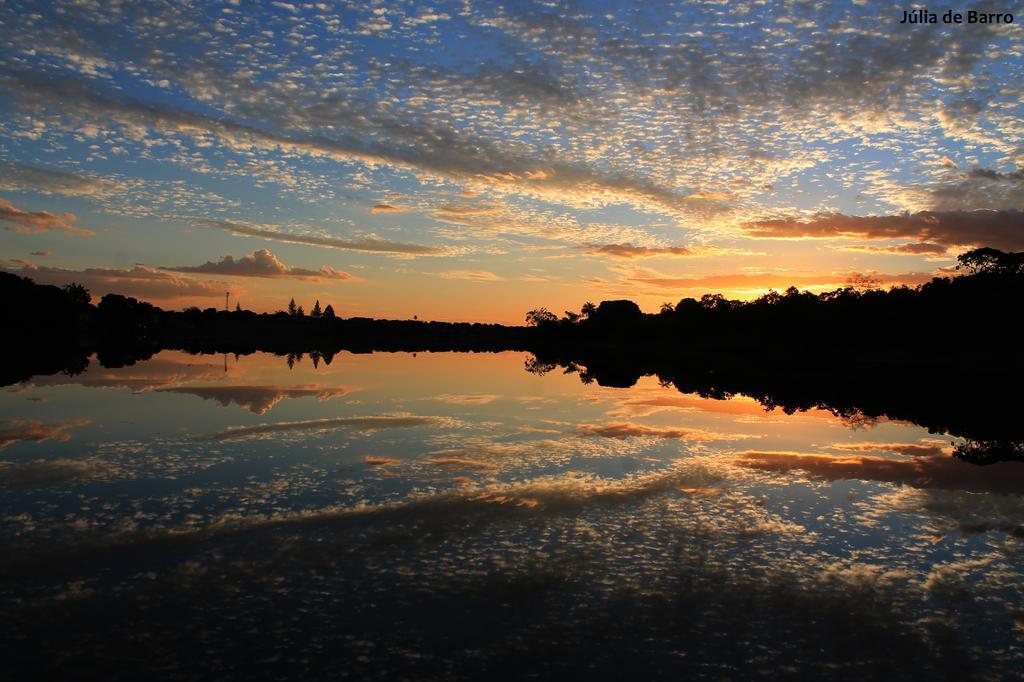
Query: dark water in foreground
[{"x": 452, "y": 516}]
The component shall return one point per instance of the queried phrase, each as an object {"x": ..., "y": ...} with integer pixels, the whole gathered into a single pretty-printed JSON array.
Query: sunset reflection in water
[{"x": 452, "y": 514}]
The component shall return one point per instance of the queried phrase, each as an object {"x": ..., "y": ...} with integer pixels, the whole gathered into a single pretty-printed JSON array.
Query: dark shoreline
[{"x": 946, "y": 355}]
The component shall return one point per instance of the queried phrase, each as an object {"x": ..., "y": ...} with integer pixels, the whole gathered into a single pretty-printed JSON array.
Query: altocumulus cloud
[
  {"x": 369, "y": 244},
  {"x": 261, "y": 263},
  {"x": 472, "y": 275},
  {"x": 369, "y": 423},
  {"x": 432, "y": 149},
  {"x": 630, "y": 251},
  {"x": 623, "y": 430},
  {"x": 1002, "y": 229},
  {"x": 17, "y": 176}
]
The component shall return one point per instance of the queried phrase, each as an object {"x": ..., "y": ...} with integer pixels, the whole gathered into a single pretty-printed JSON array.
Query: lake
[{"x": 451, "y": 516}]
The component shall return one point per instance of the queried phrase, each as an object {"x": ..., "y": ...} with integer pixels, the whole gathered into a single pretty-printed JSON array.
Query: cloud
[
  {"x": 461, "y": 463},
  {"x": 747, "y": 283},
  {"x": 629, "y": 430},
  {"x": 41, "y": 253},
  {"x": 576, "y": 109},
  {"x": 376, "y": 139},
  {"x": 357, "y": 423},
  {"x": 980, "y": 188},
  {"x": 162, "y": 370},
  {"x": 641, "y": 405},
  {"x": 140, "y": 281},
  {"x": 964, "y": 510},
  {"x": 257, "y": 399},
  {"x": 369, "y": 244},
  {"x": 914, "y": 248},
  {"x": 1003, "y": 229},
  {"x": 381, "y": 461},
  {"x": 467, "y": 209},
  {"x": 923, "y": 471},
  {"x": 496, "y": 218},
  {"x": 487, "y": 449},
  {"x": 629, "y": 251},
  {"x": 38, "y": 221},
  {"x": 33, "y": 431},
  {"x": 16, "y": 176},
  {"x": 46, "y": 471},
  {"x": 261, "y": 263},
  {"x": 989, "y": 174},
  {"x": 473, "y": 275},
  {"x": 907, "y": 449},
  {"x": 467, "y": 398},
  {"x": 387, "y": 208}
]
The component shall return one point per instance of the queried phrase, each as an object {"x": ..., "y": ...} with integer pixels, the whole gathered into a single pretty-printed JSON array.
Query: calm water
[{"x": 451, "y": 516}]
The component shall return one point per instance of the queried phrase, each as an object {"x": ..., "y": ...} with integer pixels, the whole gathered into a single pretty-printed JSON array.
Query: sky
[{"x": 475, "y": 160}]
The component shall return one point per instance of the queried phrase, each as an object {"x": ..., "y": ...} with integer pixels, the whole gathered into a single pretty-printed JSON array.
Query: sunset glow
[{"x": 471, "y": 161}]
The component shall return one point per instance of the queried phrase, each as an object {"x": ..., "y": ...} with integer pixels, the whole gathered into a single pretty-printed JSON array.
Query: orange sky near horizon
[{"x": 472, "y": 162}]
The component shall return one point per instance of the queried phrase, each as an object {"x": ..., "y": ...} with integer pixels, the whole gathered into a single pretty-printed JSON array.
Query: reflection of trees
[
  {"x": 856, "y": 419},
  {"x": 860, "y": 395},
  {"x": 75, "y": 365},
  {"x": 535, "y": 366}
]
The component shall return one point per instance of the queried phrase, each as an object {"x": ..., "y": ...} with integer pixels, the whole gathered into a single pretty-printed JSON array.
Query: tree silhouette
[
  {"x": 992, "y": 261},
  {"x": 292, "y": 310},
  {"x": 77, "y": 293},
  {"x": 299, "y": 312},
  {"x": 238, "y": 307},
  {"x": 770, "y": 298},
  {"x": 540, "y": 316},
  {"x": 316, "y": 310},
  {"x": 715, "y": 302},
  {"x": 329, "y": 312},
  {"x": 989, "y": 451},
  {"x": 588, "y": 309}
]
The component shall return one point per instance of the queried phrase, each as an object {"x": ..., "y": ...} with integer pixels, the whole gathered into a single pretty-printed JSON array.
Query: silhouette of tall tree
[
  {"x": 992, "y": 261},
  {"x": 316, "y": 310},
  {"x": 329, "y": 312},
  {"x": 78, "y": 294},
  {"x": 292, "y": 309},
  {"x": 588, "y": 309}
]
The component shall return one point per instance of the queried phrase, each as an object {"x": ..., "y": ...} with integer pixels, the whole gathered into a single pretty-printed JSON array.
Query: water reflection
[{"x": 451, "y": 516}]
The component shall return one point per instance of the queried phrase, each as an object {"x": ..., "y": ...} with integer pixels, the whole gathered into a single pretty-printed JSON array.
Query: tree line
[{"x": 980, "y": 304}]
